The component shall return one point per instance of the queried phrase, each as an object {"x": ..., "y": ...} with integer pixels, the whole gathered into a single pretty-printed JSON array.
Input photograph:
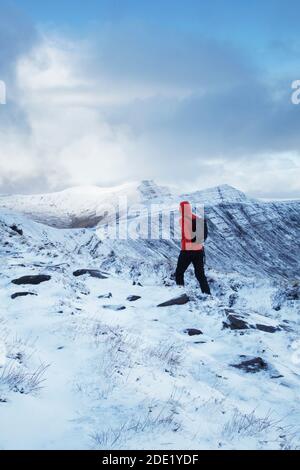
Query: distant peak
[
  {"x": 218, "y": 194},
  {"x": 227, "y": 187}
]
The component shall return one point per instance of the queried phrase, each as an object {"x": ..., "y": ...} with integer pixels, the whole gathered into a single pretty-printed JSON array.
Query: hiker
[{"x": 192, "y": 249}]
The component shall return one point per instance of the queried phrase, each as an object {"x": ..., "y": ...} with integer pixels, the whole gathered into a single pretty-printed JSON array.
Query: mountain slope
[
  {"x": 245, "y": 235},
  {"x": 125, "y": 374}
]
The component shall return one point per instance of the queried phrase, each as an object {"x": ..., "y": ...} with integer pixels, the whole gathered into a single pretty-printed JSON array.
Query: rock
[
  {"x": 193, "y": 331},
  {"x": 105, "y": 296},
  {"x": 16, "y": 229},
  {"x": 91, "y": 272},
  {"x": 133, "y": 298},
  {"x": 252, "y": 365},
  {"x": 181, "y": 300},
  {"x": 137, "y": 284},
  {"x": 34, "y": 279},
  {"x": 114, "y": 307},
  {"x": 235, "y": 322},
  {"x": 267, "y": 328},
  {"x": 21, "y": 294}
]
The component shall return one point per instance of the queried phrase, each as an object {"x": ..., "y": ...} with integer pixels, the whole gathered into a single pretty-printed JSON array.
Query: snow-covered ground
[{"x": 83, "y": 367}]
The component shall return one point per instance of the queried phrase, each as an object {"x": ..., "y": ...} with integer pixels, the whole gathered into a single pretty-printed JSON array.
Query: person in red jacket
[{"x": 193, "y": 234}]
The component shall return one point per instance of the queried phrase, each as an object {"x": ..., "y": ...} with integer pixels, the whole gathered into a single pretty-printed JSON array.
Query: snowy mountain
[
  {"x": 81, "y": 206},
  {"x": 89, "y": 360},
  {"x": 246, "y": 235}
]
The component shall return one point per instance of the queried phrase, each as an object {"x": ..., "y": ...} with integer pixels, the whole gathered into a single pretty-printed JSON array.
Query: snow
[
  {"x": 67, "y": 208},
  {"x": 77, "y": 375}
]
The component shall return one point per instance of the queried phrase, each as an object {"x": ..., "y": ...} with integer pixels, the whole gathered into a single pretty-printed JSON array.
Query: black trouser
[{"x": 197, "y": 259}]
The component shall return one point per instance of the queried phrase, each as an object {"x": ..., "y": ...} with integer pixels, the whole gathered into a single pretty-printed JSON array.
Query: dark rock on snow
[
  {"x": 252, "y": 365},
  {"x": 105, "y": 296},
  {"x": 16, "y": 229},
  {"x": 21, "y": 294},
  {"x": 114, "y": 307},
  {"x": 181, "y": 300},
  {"x": 91, "y": 272},
  {"x": 267, "y": 328},
  {"x": 193, "y": 331},
  {"x": 235, "y": 322},
  {"x": 34, "y": 279},
  {"x": 133, "y": 298}
]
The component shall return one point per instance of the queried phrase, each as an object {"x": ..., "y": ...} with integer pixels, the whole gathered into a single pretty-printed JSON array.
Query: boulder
[
  {"x": 133, "y": 298},
  {"x": 193, "y": 331},
  {"x": 91, "y": 272},
  {"x": 34, "y": 279},
  {"x": 252, "y": 365},
  {"x": 181, "y": 300},
  {"x": 21, "y": 294}
]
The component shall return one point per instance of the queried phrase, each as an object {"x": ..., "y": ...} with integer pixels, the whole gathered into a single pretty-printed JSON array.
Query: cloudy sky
[{"x": 191, "y": 93}]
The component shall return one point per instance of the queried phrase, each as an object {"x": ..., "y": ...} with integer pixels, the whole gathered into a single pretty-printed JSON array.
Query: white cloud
[{"x": 86, "y": 122}]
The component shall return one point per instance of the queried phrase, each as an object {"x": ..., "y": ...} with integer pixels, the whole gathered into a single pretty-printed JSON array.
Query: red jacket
[{"x": 188, "y": 232}]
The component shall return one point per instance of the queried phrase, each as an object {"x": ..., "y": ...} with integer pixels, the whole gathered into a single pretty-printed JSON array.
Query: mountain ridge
[{"x": 79, "y": 206}]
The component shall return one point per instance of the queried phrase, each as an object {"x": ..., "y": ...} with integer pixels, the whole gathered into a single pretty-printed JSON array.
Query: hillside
[{"x": 84, "y": 364}]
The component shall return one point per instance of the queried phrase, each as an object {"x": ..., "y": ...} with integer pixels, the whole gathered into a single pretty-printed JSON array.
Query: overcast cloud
[{"x": 129, "y": 101}]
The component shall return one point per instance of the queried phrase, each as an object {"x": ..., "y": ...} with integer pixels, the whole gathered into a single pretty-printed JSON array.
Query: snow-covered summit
[
  {"x": 218, "y": 194},
  {"x": 81, "y": 206}
]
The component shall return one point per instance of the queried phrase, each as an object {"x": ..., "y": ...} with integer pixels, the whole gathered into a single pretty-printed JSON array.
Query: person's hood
[{"x": 185, "y": 209}]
